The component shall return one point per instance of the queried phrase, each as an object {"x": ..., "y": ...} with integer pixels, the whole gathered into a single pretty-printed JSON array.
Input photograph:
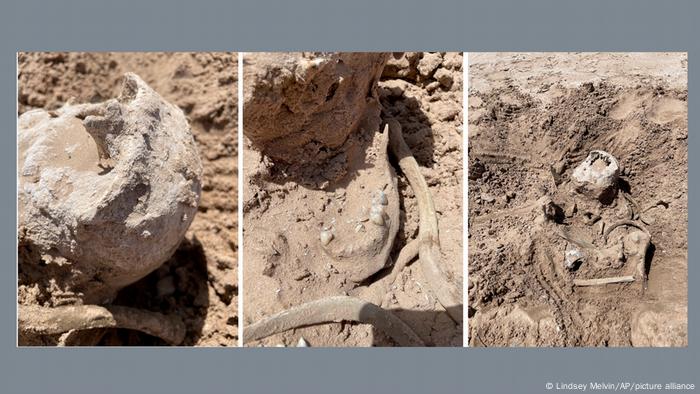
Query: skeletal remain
[
  {"x": 375, "y": 291},
  {"x": 449, "y": 295},
  {"x": 597, "y": 176},
  {"x": 333, "y": 309},
  {"x": 603, "y": 281},
  {"x": 341, "y": 308},
  {"x": 106, "y": 191},
  {"x": 38, "y": 320},
  {"x": 630, "y": 223},
  {"x": 366, "y": 253},
  {"x": 572, "y": 256},
  {"x": 99, "y": 219},
  {"x": 376, "y": 215},
  {"x": 380, "y": 199}
]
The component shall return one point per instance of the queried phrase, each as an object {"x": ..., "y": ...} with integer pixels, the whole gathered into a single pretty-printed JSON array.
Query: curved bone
[
  {"x": 362, "y": 255},
  {"x": 36, "y": 320},
  {"x": 630, "y": 223},
  {"x": 449, "y": 296},
  {"x": 334, "y": 309}
]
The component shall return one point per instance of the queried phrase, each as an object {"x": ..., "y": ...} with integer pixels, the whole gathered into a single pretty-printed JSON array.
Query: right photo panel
[{"x": 578, "y": 199}]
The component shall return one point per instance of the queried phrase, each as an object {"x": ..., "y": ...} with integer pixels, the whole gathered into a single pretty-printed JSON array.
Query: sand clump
[{"x": 299, "y": 104}]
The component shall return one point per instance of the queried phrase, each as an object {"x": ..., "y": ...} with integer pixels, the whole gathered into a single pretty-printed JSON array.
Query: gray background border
[{"x": 170, "y": 25}]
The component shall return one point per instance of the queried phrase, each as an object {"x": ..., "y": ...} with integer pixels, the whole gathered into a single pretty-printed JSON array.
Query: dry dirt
[
  {"x": 532, "y": 119},
  {"x": 288, "y": 202},
  {"x": 199, "y": 283}
]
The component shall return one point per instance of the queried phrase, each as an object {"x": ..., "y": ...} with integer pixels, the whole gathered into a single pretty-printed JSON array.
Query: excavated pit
[{"x": 570, "y": 245}]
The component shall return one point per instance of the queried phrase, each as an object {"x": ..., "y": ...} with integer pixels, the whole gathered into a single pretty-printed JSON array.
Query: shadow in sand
[
  {"x": 415, "y": 125},
  {"x": 648, "y": 258},
  {"x": 434, "y": 328},
  {"x": 333, "y": 169},
  {"x": 420, "y": 138},
  {"x": 179, "y": 287}
]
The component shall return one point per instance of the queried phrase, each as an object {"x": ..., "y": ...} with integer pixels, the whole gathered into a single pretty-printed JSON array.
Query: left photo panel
[{"x": 127, "y": 199}]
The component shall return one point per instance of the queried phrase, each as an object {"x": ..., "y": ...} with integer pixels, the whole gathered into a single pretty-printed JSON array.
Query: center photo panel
[{"x": 352, "y": 199}]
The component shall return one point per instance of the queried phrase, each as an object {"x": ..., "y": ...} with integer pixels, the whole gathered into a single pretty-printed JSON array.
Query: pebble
[
  {"x": 634, "y": 237},
  {"x": 326, "y": 237},
  {"x": 444, "y": 77},
  {"x": 487, "y": 198},
  {"x": 647, "y": 219},
  {"x": 452, "y": 60},
  {"x": 431, "y": 87},
  {"x": 428, "y": 64}
]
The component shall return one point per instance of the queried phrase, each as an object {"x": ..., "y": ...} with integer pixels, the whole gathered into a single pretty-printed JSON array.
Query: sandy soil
[
  {"x": 284, "y": 213},
  {"x": 199, "y": 283},
  {"x": 532, "y": 119}
]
